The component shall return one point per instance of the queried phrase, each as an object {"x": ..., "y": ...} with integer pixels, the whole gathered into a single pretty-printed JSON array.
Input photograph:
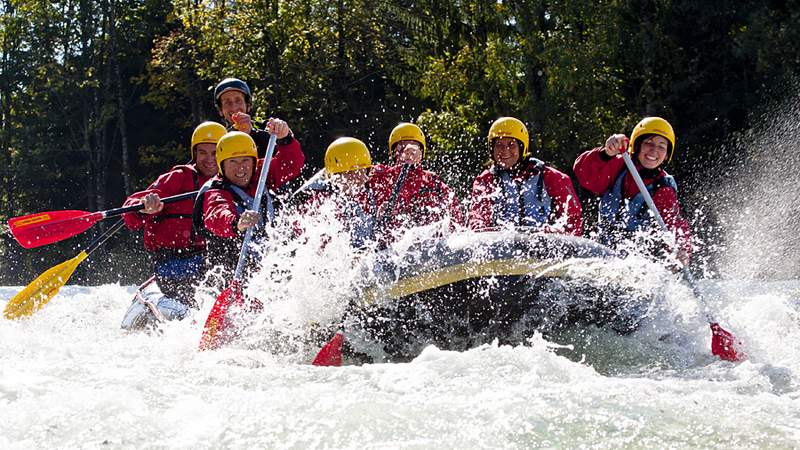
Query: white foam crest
[
  {"x": 304, "y": 281},
  {"x": 70, "y": 378}
]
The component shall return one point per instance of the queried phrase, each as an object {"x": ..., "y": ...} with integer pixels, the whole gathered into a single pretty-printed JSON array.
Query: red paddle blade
[
  {"x": 331, "y": 353},
  {"x": 36, "y": 230},
  {"x": 723, "y": 344},
  {"x": 216, "y": 324}
]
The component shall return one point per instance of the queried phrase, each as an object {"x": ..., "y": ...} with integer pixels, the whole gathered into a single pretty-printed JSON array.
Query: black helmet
[{"x": 234, "y": 84}]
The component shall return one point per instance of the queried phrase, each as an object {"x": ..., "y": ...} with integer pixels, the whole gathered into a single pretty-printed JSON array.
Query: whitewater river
[{"x": 69, "y": 378}]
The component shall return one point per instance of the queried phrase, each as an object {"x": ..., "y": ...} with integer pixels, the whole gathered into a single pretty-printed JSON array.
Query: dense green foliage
[{"x": 90, "y": 89}]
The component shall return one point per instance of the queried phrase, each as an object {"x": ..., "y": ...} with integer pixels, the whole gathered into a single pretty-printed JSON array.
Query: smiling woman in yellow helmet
[
  {"x": 224, "y": 207},
  {"x": 623, "y": 212},
  {"x": 520, "y": 191}
]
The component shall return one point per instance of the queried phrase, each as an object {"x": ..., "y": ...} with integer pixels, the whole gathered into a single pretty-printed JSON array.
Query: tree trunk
[
  {"x": 87, "y": 148},
  {"x": 123, "y": 132},
  {"x": 5, "y": 116},
  {"x": 194, "y": 90},
  {"x": 103, "y": 103},
  {"x": 121, "y": 121},
  {"x": 340, "y": 47},
  {"x": 273, "y": 55}
]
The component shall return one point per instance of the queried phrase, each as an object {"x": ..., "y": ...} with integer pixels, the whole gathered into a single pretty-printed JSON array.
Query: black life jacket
[{"x": 225, "y": 251}]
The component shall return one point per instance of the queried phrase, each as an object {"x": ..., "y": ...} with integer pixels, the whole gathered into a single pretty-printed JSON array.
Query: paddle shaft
[
  {"x": 100, "y": 240},
  {"x": 320, "y": 173},
  {"x": 401, "y": 179},
  {"x": 262, "y": 182},
  {"x": 687, "y": 275},
  {"x": 133, "y": 208}
]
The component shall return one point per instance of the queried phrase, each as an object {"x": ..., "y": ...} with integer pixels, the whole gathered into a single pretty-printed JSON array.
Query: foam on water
[{"x": 70, "y": 378}]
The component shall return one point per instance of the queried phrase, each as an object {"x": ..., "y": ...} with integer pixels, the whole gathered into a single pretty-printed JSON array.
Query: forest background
[{"x": 97, "y": 98}]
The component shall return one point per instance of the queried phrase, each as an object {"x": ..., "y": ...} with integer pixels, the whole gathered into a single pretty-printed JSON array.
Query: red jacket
[
  {"x": 566, "y": 212},
  {"x": 170, "y": 229},
  {"x": 597, "y": 172},
  {"x": 287, "y": 163},
  {"x": 423, "y": 198},
  {"x": 219, "y": 208}
]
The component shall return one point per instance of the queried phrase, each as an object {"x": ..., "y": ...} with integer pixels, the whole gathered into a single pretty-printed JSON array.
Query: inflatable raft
[{"x": 468, "y": 289}]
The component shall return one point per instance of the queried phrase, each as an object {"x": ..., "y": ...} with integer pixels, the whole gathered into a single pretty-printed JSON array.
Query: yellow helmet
[
  {"x": 233, "y": 145},
  {"x": 406, "y": 132},
  {"x": 510, "y": 127},
  {"x": 206, "y": 133},
  {"x": 653, "y": 125},
  {"x": 347, "y": 154}
]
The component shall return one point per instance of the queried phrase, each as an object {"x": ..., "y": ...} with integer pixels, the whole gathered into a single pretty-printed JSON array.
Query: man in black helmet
[{"x": 233, "y": 100}]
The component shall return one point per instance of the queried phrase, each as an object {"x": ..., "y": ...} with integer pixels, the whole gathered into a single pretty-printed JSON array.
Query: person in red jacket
[
  {"x": 224, "y": 207},
  {"x": 406, "y": 194},
  {"x": 176, "y": 250},
  {"x": 623, "y": 214},
  {"x": 343, "y": 186},
  {"x": 518, "y": 191},
  {"x": 234, "y": 102}
]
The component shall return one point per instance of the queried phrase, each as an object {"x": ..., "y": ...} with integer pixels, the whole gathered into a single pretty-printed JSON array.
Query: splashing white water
[
  {"x": 758, "y": 201},
  {"x": 69, "y": 378}
]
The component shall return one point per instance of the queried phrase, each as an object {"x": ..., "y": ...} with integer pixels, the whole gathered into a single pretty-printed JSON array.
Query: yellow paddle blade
[{"x": 42, "y": 289}]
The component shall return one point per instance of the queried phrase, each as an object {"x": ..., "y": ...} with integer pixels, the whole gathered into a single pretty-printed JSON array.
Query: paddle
[
  {"x": 46, "y": 286},
  {"x": 723, "y": 343},
  {"x": 313, "y": 180},
  {"x": 36, "y": 230},
  {"x": 398, "y": 185},
  {"x": 331, "y": 353},
  {"x": 302, "y": 194},
  {"x": 213, "y": 331}
]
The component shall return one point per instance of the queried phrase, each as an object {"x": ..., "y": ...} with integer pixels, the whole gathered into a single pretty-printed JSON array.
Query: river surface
[{"x": 70, "y": 378}]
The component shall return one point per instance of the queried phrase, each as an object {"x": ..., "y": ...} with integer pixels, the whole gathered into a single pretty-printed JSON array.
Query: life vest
[
  {"x": 521, "y": 202},
  {"x": 622, "y": 216},
  {"x": 359, "y": 222},
  {"x": 225, "y": 251}
]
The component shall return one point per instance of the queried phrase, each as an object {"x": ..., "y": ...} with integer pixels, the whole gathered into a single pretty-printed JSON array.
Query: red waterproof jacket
[
  {"x": 423, "y": 198},
  {"x": 565, "y": 213},
  {"x": 170, "y": 229},
  {"x": 286, "y": 164},
  {"x": 220, "y": 213},
  {"x": 597, "y": 172}
]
